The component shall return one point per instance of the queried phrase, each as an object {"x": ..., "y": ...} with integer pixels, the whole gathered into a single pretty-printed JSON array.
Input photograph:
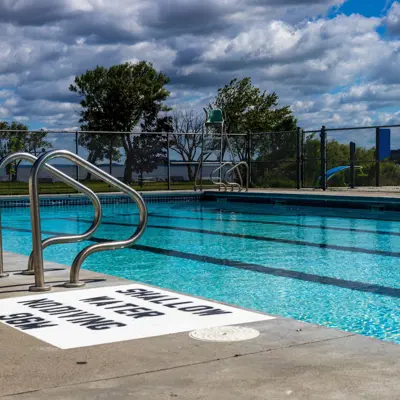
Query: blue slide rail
[{"x": 334, "y": 171}]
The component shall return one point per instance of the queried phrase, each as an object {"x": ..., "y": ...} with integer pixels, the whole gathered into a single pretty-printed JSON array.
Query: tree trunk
[
  {"x": 190, "y": 172},
  {"x": 92, "y": 158},
  {"x": 128, "y": 169},
  {"x": 14, "y": 175}
]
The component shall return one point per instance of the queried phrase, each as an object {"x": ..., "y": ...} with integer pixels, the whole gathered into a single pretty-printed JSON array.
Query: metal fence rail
[{"x": 295, "y": 159}]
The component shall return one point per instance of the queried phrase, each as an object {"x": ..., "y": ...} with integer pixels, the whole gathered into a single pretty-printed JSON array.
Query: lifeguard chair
[{"x": 215, "y": 140}]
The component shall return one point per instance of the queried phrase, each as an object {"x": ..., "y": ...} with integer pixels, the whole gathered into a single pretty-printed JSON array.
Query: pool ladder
[
  {"x": 35, "y": 263},
  {"x": 223, "y": 183}
]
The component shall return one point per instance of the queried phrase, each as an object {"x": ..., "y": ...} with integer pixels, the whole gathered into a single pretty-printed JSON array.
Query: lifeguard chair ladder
[{"x": 215, "y": 133}]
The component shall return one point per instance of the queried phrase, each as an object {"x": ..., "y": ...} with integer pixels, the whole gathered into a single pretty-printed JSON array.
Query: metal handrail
[
  {"x": 236, "y": 166},
  {"x": 84, "y": 253},
  {"x": 2, "y": 273},
  {"x": 219, "y": 183},
  {"x": 69, "y": 181}
]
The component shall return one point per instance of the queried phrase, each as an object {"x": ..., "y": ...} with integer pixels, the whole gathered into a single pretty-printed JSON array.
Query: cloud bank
[{"x": 333, "y": 69}]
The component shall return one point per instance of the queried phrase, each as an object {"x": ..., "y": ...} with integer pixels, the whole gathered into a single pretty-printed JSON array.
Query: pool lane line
[
  {"x": 254, "y": 237},
  {"x": 333, "y": 228},
  {"x": 226, "y": 211},
  {"x": 280, "y": 272},
  {"x": 291, "y": 274}
]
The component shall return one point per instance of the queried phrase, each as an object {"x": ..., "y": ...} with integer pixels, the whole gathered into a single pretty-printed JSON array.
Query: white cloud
[
  {"x": 4, "y": 113},
  {"x": 287, "y": 46},
  {"x": 5, "y": 93},
  {"x": 393, "y": 18}
]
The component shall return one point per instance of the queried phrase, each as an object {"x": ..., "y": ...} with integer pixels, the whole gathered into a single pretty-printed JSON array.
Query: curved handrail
[
  {"x": 219, "y": 183},
  {"x": 236, "y": 166},
  {"x": 73, "y": 183},
  {"x": 84, "y": 253},
  {"x": 232, "y": 185}
]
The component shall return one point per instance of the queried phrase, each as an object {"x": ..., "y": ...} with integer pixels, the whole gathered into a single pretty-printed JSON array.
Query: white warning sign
[{"x": 89, "y": 317}]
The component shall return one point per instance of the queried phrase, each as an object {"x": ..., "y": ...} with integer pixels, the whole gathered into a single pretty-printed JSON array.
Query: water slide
[{"x": 334, "y": 171}]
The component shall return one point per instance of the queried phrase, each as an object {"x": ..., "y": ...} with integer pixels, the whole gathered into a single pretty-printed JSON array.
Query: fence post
[
  {"x": 377, "y": 160},
  {"x": 352, "y": 165},
  {"x": 201, "y": 157},
  {"x": 302, "y": 158},
  {"x": 323, "y": 158},
  {"x": 76, "y": 152},
  {"x": 110, "y": 152},
  {"x": 168, "y": 164},
  {"x": 299, "y": 132},
  {"x": 249, "y": 157}
]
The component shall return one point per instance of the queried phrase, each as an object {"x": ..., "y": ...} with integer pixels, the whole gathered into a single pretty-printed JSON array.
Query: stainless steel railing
[
  {"x": 224, "y": 183},
  {"x": 235, "y": 184},
  {"x": 2, "y": 273},
  {"x": 219, "y": 183},
  {"x": 84, "y": 253},
  {"x": 55, "y": 239}
]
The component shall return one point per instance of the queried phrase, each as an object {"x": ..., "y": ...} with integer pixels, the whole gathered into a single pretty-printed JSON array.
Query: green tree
[
  {"x": 18, "y": 139},
  {"x": 247, "y": 109},
  {"x": 99, "y": 147},
  {"x": 149, "y": 149},
  {"x": 117, "y": 99}
]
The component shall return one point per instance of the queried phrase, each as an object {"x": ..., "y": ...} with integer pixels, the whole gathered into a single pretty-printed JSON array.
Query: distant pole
[
  {"x": 168, "y": 163},
  {"x": 202, "y": 156},
  {"x": 377, "y": 159},
  {"x": 299, "y": 133},
  {"x": 323, "y": 158},
  {"x": 221, "y": 156},
  {"x": 76, "y": 151},
  {"x": 352, "y": 165},
  {"x": 110, "y": 155},
  {"x": 302, "y": 158}
]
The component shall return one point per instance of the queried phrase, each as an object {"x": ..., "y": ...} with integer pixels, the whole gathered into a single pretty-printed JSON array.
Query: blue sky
[
  {"x": 368, "y": 8},
  {"x": 333, "y": 61}
]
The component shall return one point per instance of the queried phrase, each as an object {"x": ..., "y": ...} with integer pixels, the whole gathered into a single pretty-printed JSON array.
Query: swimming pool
[{"x": 333, "y": 267}]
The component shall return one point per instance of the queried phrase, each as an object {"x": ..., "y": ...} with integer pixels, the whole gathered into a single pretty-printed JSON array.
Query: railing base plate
[
  {"x": 4, "y": 275},
  {"x": 28, "y": 272},
  {"x": 74, "y": 284},
  {"x": 39, "y": 288}
]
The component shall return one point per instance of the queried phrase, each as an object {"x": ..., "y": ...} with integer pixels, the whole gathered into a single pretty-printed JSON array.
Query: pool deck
[{"x": 288, "y": 360}]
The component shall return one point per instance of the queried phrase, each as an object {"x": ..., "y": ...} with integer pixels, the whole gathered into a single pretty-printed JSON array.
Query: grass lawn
[{"x": 21, "y": 188}]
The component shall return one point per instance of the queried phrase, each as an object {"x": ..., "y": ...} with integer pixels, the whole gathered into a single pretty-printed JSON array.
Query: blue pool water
[{"x": 330, "y": 267}]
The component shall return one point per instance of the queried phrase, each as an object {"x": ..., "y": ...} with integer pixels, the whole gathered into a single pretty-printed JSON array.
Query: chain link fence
[{"x": 170, "y": 161}]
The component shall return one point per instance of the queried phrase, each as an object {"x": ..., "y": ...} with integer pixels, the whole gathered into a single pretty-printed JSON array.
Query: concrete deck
[
  {"x": 289, "y": 360},
  {"x": 370, "y": 191}
]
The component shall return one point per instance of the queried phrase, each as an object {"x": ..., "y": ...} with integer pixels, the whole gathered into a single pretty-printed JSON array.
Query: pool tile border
[
  {"x": 370, "y": 204},
  {"x": 69, "y": 200}
]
